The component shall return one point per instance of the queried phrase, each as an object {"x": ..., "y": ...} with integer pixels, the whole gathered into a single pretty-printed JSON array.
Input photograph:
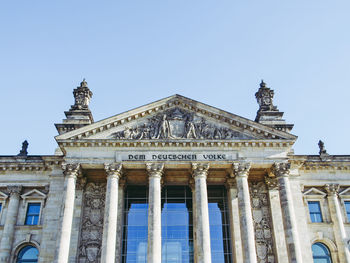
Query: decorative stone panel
[
  {"x": 262, "y": 222},
  {"x": 92, "y": 223}
]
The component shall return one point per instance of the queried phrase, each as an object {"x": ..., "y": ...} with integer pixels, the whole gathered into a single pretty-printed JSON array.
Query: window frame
[
  {"x": 315, "y": 195},
  {"x": 330, "y": 254},
  {"x": 33, "y": 196}
]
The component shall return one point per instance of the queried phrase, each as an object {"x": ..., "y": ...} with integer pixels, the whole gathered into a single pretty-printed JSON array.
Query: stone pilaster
[
  {"x": 281, "y": 171},
  {"x": 236, "y": 239},
  {"x": 202, "y": 249},
  {"x": 10, "y": 223},
  {"x": 277, "y": 220},
  {"x": 114, "y": 172},
  {"x": 240, "y": 171},
  {"x": 338, "y": 224},
  {"x": 71, "y": 173},
  {"x": 154, "y": 248}
]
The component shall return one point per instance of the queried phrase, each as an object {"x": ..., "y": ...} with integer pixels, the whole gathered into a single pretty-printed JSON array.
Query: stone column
[
  {"x": 202, "y": 248},
  {"x": 338, "y": 224},
  {"x": 10, "y": 223},
  {"x": 109, "y": 236},
  {"x": 236, "y": 238},
  {"x": 240, "y": 171},
  {"x": 154, "y": 247},
  {"x": 277, "y": 220},
  {"x": 281, "y": 171},
  {"x": 71, "y": 173}
]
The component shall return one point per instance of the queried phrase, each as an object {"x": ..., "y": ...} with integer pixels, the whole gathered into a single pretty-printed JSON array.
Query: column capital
[
  {"x": 200, "y": 170},
  {"x": 241, "y": 168},
  {"x": 71, "y": 169},
  {"x": 272, "y": 183},
  {"x": 332, "y": 189},
  {"x": 113, "y": 170},
  {"x": 155, "y": 169},
  {"x": 281, "y": 169},
  {"x": 14, "y": 189}
]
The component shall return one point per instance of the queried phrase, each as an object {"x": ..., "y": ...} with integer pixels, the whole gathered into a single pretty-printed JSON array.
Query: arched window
[
  {"x": 28, "y": 254},
  {"x": 320, "y": 253}
]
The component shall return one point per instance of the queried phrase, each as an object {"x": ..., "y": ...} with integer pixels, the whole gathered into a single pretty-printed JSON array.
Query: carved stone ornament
[
  {"x": 81, "y": 182},
  {"x": 155, "y": 169},
  {"x": 92, "y": 223},
  {"x": 82, "y": 96},
  {"x": 177, "y": 123},
  {"x": 272, "y": 183},
  {"x": 113, "y": 169},
  {"x": 262, "y": 222},
  {"x": 200, "y": 169},
  {"x": 241, "y": 168},
  {"x": 332, "y": 189},
  {"x": 280, "y": 169},
  {"x": 264, "y": 96},
  {"x": 24, "y": 150},
  {"x": 71, "y": 169},
  {"x": 14, "y": 189}
]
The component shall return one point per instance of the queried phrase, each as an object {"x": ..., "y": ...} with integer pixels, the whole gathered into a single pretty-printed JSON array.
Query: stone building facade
[{"x": 175, "y": 181}]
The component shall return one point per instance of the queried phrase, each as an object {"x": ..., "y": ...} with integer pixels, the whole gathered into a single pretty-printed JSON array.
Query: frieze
[{"x": 175, "y": 124}]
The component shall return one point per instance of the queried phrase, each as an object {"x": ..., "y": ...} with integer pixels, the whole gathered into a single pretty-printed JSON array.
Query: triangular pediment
[
  {"x": 314, "y": 192},
  {"x": 175, "y": 118}
]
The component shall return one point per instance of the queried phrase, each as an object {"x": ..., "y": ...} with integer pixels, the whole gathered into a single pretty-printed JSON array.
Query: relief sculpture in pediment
[{"x": 177, "y": 124}]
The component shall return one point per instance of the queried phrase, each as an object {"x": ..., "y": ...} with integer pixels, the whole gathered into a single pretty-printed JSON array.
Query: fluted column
[
  {"x": 277, "y": 220},
  {"x": 338, "y": 224},
  {"x": 71, "y": 173},
  {"x": 154, "y": 247},
  {"x": 281, "y": 171},
  {"x": 109, "y": 236},
  {"x": 10, "y": 223},
  {"x": 241, "y": 171},
  {"x": 202, "y": 249}
]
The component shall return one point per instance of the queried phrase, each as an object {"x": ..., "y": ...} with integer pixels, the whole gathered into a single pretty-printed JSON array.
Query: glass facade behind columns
[
  {"x": 219, "y": 225},
  {"x": 177, "y": 226},
  {"x": 135, "y": 225}
]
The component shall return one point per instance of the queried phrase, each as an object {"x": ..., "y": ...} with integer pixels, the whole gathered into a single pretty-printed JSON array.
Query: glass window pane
[
  {"x": 135, "y": 232},
  {"x": 347, "y": 208},
  {"x": 320, "y": 253},
  {"x": 33, "y": 212},
  {"x": 315, "y": 211},
  {"x": 177, "y": 230},
  {"x": 219, "y": 226},
  {"x": 28, "y": 254}
]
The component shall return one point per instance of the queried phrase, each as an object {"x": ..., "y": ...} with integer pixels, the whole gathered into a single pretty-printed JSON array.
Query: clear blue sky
[{"x": 134, "y": 52}]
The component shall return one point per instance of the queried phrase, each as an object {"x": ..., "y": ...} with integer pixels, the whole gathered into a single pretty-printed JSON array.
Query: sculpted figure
[
  {"x": 191, "y": 130},
  {"x": 164, "y": 131}
]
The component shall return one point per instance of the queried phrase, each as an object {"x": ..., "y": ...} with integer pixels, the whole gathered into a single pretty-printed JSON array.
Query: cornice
[
  {"x": 175, "y": 143},
  {"x": 244, "y": 125},
  {"x": 29, "y": 166}
]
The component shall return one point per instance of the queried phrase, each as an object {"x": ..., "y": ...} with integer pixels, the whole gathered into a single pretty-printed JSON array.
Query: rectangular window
[
  {"x": 315, "y": 211},
  {"x": 347, "y": 209},
  {"x": 0, "y": 207},
  {"x": 135, "y": 232},
  {"x": 33, "y": 212},
  {"x": 219, "y": 225},
  {"x": 177, "y": 225}
]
